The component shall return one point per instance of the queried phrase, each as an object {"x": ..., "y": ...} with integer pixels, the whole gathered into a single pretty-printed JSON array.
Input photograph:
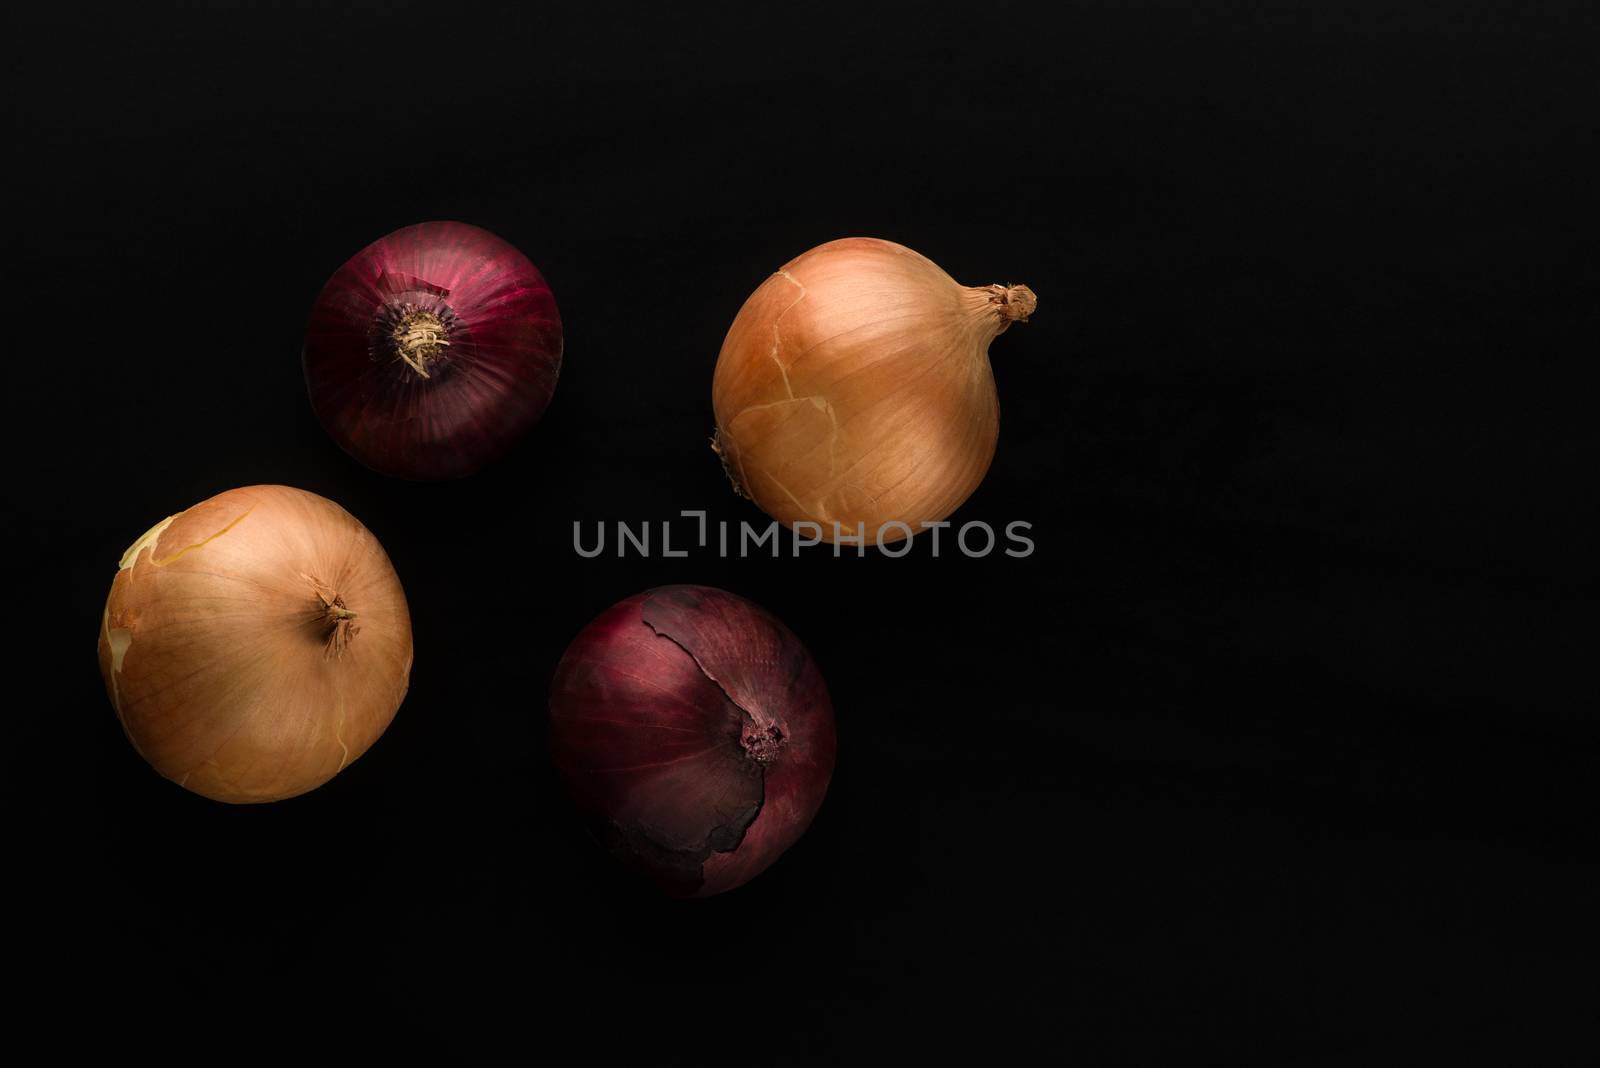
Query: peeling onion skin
[
  {"x": 255, "y": 644},
  {"x": 854, "y": 387},
  {"x": 432, "y": 351},
  {"x": 694, "y": 732}
]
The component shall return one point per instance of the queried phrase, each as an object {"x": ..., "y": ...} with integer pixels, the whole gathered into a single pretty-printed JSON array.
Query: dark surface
[{"x": 1278, "y": 750}]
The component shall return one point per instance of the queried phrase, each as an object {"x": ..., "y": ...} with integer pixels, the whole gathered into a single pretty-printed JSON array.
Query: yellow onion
[
  {"x": 255, "y": 644},
  {"x": 853, "y": 390}
]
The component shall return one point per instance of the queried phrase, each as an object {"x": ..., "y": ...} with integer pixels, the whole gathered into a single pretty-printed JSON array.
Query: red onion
[
  {"x": 432, "y": 351},
  {"x": 694, "y": 731}
]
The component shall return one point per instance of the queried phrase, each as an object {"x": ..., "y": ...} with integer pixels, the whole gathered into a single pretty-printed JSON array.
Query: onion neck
[
  {"x": 762, "y": 743},
  {"x": 1000, "y": 306},
  {"x": 342, "y": 629},
  {"x": 337, "y": 621}
]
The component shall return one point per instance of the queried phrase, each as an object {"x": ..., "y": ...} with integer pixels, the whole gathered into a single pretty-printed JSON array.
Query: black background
[{"x": 1273, "y": 752}]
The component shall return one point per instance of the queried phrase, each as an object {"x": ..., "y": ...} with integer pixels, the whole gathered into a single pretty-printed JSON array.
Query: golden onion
[
  {"x": 256, "y": 644},
  {"x": 853, "y": 390}
]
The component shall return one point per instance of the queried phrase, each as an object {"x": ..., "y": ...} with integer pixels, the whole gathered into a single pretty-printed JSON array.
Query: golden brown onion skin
[
  {"x": 229, "y": 652},
  {"x": 854, "y": 388}
]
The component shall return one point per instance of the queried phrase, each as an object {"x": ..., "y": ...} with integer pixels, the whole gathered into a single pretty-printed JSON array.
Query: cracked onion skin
[
  {"x": 694, "y": 733},
  {"x": 854, "y": 388},
  {"x": 255, "y": 644},
  {"x": 432, "y": 351}
]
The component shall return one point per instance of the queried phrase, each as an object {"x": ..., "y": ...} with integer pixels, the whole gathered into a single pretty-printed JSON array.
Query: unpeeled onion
[
  {"x": 694, "y": 732},
  {"x": 255, "y": 644},
  {"x": 853, "y": 390},
  {"x": 432, "y": 351}
]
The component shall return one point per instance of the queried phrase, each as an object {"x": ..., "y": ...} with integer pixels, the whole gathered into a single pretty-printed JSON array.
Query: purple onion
[
  {"x": 432, "y": 351},
  {"x": 694, "y": 732}
]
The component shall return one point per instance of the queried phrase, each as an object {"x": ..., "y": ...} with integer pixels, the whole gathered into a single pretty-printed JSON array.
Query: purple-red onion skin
[
  {"x": 695, "y": 733},
  {"x": 476, "y": 395}
]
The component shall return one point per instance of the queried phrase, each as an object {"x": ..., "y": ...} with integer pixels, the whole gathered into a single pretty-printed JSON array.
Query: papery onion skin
[
  {"x": 255, "y": 644},
  {"x": 432, "y": 351},
  {"x": 854, "y": 388},
  {"x": 694, "y": 732}
]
